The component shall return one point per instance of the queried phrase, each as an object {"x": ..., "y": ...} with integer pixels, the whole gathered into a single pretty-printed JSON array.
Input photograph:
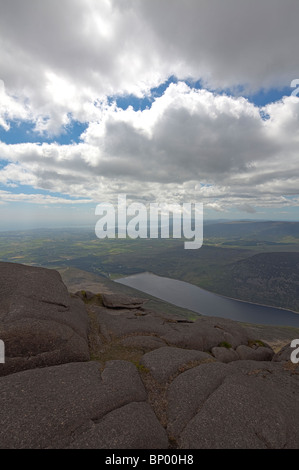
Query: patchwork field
[{"x": 253, "y": 261}]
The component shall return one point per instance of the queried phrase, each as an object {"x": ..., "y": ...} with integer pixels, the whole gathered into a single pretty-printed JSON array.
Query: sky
[{"x": 165, "y": 101}]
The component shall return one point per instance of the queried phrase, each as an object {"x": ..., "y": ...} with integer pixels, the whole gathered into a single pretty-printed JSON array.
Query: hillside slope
[{"x": 267, "y": 278}]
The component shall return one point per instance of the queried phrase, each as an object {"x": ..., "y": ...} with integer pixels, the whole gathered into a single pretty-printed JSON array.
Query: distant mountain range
[{"x": 261, "y": 231}]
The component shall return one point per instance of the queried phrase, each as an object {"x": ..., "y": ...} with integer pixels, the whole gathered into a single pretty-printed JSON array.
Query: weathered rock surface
[
  {"x": 146, "y": 343},
  {"x": 140, "y": 429},
  {"x": 57, "y": 407},
  {"x": 206, "y": 333},
  {"x": 259, "y": 354},
  {"x": 40, "y": 324},
  {"x": 157, "y": 382},
  {"x": 225, "y": 355},
  {"x": 121, "y": 301},
  {"x": 284, "y": 354},
  {"x": 202, "y": 335},
  {"x": 165, "y": 362},
  {"x": 242, "y": 405}
]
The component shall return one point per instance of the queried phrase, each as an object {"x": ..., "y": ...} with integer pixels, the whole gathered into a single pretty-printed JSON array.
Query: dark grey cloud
[{"x": 228, "y": 43}]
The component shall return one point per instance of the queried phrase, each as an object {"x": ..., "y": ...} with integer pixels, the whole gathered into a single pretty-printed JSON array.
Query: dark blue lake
[{"x": 194, "y": 298}]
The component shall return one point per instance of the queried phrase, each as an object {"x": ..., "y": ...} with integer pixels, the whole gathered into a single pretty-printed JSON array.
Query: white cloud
[
  {"x": 190, "y": 145},
  {"x": 41, "y": 199},
  {"x": 61, "y": 60},
  {"x": 63, "y": 56},
  {"x": 11, "y": 108}
]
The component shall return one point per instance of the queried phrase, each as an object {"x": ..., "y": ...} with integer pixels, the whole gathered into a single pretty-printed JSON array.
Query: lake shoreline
[
  {"x": 210, "y": 292},
  {"x": 210, "y": 301}
]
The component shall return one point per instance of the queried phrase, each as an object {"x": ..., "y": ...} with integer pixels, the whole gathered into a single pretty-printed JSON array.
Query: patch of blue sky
[
  {"x": 291, "y": 197},
  {"x": 26, "y": 189},
  {"x": 19, "y": 132},
  {"x": 260, "y": 98},
  {"x": 3, "y": 164},
  {"x": 139, "y": 104},
  {"x": 72, "y": 133},
  {"x": 192, "y": 83},
  {"x": 24, "y": 132},
  {"x": 264, "y": 97}
]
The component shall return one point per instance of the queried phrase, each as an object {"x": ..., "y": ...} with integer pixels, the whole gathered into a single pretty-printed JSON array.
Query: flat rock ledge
[
  {"x": 108, "y": 373},
  {"x": 122, "y": 301}
]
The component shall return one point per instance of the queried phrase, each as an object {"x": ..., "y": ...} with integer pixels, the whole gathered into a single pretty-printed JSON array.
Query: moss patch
[
  {"x": 225, "y": 344},
  {"x": 140, "y": 367},
  {"x": 256, "y": 342}
]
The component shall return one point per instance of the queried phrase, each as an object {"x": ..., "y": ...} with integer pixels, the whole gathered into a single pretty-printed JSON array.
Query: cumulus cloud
[
  {"x": 64, "y": 60},
  {"x": 11, "y": 108},
  {"x": 64, "y": 56},
  {"x": 186, "y": 134},
  {"x": 190, "y": 144}
]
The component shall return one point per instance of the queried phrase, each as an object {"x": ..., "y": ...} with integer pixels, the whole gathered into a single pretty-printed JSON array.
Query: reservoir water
[{"x": 198, "y": 300}]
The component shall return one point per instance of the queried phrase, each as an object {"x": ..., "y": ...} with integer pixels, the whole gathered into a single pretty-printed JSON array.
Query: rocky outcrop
[
  {"x": 112, "y": 374},
  {"x": 121, "y": 301},
  {"x": 242, "y": 405},
  {"x": 259, "y": 354},
  {"x": 224, "y": 354},
  {"x": 284, "y": 354},
  {"x": 201, "y": 335},
  {"x": 75, "y": 405},
  {"x": 40, "y": 323},
  {"x": 164, "y": 362}
]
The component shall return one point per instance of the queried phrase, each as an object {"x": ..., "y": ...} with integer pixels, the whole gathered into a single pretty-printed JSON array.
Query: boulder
[
  {"x": 259, "y": 354},
  {"x": 40, "y": 323},
  {"x": 122, "y": 301},
  {"x": 225, "y": 354},
  {"x": 124, "y": 322},
  {"x": 206, "y": 333},
  {"x": 188, "y": 392},
  {"x": 202, "y": 335},
  {"x": 165, "y": 362},
  {"x": 284, "y": 355},
  {"x": 241, "y": 405},
  {"x": 76, "y": 404}
]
